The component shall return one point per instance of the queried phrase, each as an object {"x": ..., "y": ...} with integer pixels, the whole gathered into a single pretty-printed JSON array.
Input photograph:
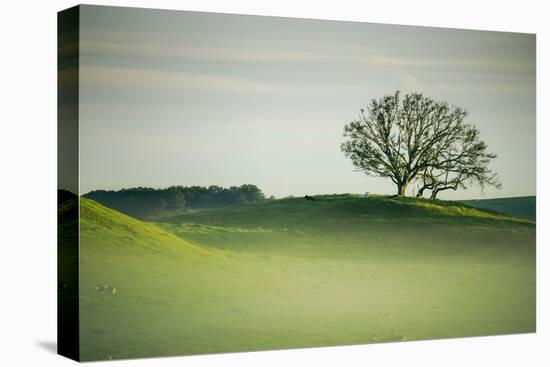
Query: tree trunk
[
  {"x": 434, "y": 194},
  {"x": 401, "y": 188}
]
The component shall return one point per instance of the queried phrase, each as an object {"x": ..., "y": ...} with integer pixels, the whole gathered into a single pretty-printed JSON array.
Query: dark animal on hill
[{"x": 309, "y": 198}]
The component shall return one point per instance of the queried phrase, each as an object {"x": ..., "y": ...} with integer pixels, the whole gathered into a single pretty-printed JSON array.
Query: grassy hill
[
  {"x": 295, "y": 273},
  {"x": 109, "y": 228},
  {"x": 521, "y": 207}
]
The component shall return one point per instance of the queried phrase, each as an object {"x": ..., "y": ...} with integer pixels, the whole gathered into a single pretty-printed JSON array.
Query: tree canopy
[
  {"x": 417, "y": 139},
  {"x": 144, "y": 202}
]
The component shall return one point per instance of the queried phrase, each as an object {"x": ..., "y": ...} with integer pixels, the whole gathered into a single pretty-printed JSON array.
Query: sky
[{"x": 187, "y": 98}]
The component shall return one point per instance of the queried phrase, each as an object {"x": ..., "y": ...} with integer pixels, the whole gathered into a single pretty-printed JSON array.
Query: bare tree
[
  {"x": 401, "y": 139},
  {"x": 464, "y": 162}
]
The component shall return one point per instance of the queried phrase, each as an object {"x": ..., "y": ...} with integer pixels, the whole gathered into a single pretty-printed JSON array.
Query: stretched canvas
[{"x": 233, "y": 183}]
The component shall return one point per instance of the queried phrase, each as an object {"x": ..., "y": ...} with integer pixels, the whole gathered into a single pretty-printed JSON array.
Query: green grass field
[{"x": 292, "y": 273}]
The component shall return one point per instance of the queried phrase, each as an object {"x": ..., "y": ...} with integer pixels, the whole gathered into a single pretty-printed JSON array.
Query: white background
[{"x": 28, "y": 183}]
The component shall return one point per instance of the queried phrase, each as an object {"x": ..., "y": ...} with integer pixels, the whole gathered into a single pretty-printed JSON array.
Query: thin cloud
[
  {"x": 166, "y": 57},
  {"x": 135, "y": 81}
]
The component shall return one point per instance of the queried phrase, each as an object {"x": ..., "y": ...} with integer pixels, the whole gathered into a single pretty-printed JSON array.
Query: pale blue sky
[{"x": 185, "y": 98}]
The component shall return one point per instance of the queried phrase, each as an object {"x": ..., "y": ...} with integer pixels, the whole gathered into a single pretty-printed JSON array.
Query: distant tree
[
  {"x": 142, "y": 202},
  {"x": 252, "y": 193},
  {"x": 405, "y": 139},
  {"x": 174, "y": 197}
]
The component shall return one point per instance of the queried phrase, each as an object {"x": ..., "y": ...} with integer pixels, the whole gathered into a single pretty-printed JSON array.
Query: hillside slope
[
  {"x": 352, "y": 222},
  {"x": 295, "y": 273},
  {"x": 345, "y": 208},
  {"x": 521, "y": 207},
  {"x": 101, "y": 226},
  {"x": 132, "y": 274}
]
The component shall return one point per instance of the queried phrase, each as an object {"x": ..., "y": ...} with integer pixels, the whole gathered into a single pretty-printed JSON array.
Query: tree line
[
  {"x": 415, "y": 140},
  {"x": 144, "y": 202}
]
